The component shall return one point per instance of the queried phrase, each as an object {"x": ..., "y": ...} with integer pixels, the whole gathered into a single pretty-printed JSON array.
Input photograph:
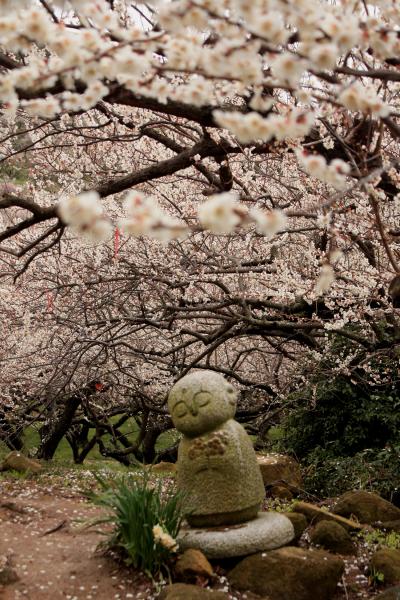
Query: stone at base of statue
[{"x": 267, "y": 531}]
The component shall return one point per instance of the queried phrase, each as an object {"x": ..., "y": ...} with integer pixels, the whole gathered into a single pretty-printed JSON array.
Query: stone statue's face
[{"x": 200, "y": 402}]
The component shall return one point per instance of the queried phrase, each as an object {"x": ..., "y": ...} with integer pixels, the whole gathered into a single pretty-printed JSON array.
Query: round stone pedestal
[{"x": 269, "y": 530}]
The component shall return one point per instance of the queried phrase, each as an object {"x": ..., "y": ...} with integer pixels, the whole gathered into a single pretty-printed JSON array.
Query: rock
[
  {"x": 183, "y": 591},
  {"x": 289, "y": 573},
  {"x": 279, "y": 468},
  {"x": 217, "y": 468},
  {"x": 366, "y": 507},
  {"x": 389, "y": 526},
  {"x": 8, "y": 576},
  {"x": 18, "y": 462},
  {"x": 386, "y": 561},
  {"x": 268, "y": 531},
  {"x": 281, "y": 492},
  {"x": 332, "y": 536},
  {"x": 191, "y": 564},
  {"x": 315, "y": 514},
  {"x": 299, "y": 523},
  {"x": 164, "y": 467},
  {"x": 390, "y": 594}
]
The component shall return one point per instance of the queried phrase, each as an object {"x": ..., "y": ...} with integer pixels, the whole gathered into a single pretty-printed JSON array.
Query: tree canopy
[{"x": 195, "y": 184}]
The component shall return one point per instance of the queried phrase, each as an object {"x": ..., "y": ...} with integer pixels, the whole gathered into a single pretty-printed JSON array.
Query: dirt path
[{"x": 62, "y": 563}]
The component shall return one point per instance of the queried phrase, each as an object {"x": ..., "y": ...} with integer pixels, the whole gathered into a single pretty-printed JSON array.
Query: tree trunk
[{"x": 57, "y": 426}]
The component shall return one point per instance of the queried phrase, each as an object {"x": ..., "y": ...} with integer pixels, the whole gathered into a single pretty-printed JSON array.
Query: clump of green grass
[
  {"x": 379, "y": 538},
  {"x": 145, "y": 521}
]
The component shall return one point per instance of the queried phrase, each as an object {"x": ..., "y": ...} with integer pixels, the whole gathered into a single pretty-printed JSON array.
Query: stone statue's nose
[{"x": 193, "y": 408}]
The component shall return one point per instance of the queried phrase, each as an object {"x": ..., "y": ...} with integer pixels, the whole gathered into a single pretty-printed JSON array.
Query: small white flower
[
  {"x": 81, "y": 210},
  {"x": 100, "y": 231},
  {"x": 169, "y": 229},
  {"x": 324, "y": 56},
  {"x": 324, "y": 220},
  {"x": 357, "y": 97},
  {"x": 143, "y": 211},
  {"x": 268, "y": 223},
  {"x": 47, "y": 108},
  {"x": 147, "y": 218},
  {"x": 36, "y": 25},
  {"x": 288, "y": 68},
  {"x": 313, "y": 164},
  {"x": 325, "y": 279},
  {"x": 221, "y": 213}
]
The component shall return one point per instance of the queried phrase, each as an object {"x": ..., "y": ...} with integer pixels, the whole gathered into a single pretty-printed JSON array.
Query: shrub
[
  {"x": 145, "y": 519},
  {"x": 375, "y": 470},
  {"x": 343, "y": 418},
  {"x": 375, "y": 538},
  {"x": 345, "y": 423}
]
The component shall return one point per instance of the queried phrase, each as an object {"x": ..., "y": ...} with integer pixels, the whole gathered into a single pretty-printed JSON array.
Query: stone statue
[{"x": 217, "y": 466}]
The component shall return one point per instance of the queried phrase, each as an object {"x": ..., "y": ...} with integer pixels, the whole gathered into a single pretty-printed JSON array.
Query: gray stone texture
[
  {"x": 268, "y": 531},
  {"x": 217, "y": 468}
]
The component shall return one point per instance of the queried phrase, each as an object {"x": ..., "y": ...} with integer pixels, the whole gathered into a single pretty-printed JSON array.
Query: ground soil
[
  {"x": 53, "y": 554},
  {"x": 45, "y": 539}
]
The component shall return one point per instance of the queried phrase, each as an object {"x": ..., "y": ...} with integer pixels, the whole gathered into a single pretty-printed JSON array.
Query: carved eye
[
  {"x": 202, "y": 399},
  {"x": 230, "y": 389},
  {"x": 180, "y": 409}
]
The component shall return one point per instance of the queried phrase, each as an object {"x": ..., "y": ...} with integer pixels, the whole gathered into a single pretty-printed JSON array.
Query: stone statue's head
[{"x": 200, "y": 402}]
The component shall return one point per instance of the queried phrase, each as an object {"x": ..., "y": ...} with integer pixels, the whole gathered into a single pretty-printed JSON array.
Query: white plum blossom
[
  {"x": 47, "y": 108},
  {"x": 344, "y": 31},
  {"x": 313, "y": 164},
  {"x": 37, "y": 25},
  {"x": 268, "y": 223},
  {"x": 147, "y": 218},
  {"x": 252, "y": 126},
  {"x": 98, "y": 231},
  {"x": 260, "y": 103},
  {"x": 221, "y": 213},
  {"x": 81, "y": 210},
  {"x": 357, "y": 97},
  {"x": 324, "y": 220},
  {"x": 144, "y": 213},
  {"x": 325, "y": 279},
  {"x": 324, "y": 56},
  {"x": 316, "y": 166},
  {"x": 270, "y": 26},
  {"x": 288, "y": 68},
  {"x": 336, "y": 173}
]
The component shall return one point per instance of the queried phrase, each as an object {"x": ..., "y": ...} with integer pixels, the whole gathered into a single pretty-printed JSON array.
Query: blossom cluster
[
  {"x": 222, "y": 213},
  {"x": 252, "y": 126},
  {"x": 146, "y": 217},
  {"x": 325, "y": 279},
  {"x": 106, "y": 48},
  {"x": 316, "y": 165},
  {"x": 357, "y": 97},
  {"x": 84, "y": 214}
]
